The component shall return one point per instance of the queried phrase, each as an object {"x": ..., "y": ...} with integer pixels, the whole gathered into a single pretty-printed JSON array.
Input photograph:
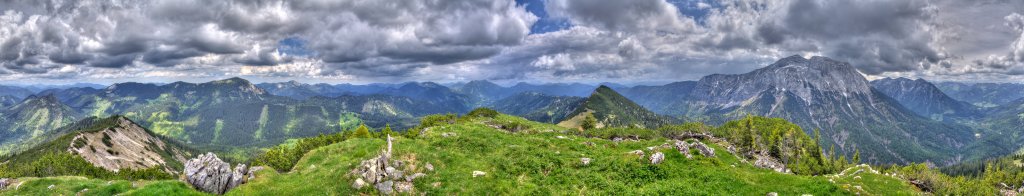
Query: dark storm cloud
[
  {"x": 117, "y": 34},
  {"x": 876, "y": 36}
]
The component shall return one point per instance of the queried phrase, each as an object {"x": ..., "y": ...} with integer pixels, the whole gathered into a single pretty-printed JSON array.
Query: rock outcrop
[
  {"x": 763, "y": 160},
  {"x": 685, "y": 146},
  {"x": 5, "y": 182},
  {"x": 209, "y": 174},
  {"x": 657, "y": 158},
  {"x": 386, "y": 175}
]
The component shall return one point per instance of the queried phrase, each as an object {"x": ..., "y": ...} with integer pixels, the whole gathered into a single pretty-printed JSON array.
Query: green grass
[
  {"x": 539, "y": 163},
  {"x": 535, "y": 159},
  {"x": 74, "y": 185}
]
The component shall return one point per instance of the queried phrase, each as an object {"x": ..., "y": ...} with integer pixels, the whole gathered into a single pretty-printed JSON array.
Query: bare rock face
[
  {"x": 209, "y": 174},
  {"x": 125, "y": 146}
]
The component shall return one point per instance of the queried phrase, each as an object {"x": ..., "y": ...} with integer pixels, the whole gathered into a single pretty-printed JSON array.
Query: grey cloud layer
[
  {"x": 36, "y": 37},
  {"x": 386, "y": 40}
]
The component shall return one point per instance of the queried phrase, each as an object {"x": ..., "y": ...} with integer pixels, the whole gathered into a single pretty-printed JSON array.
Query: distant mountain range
[
  {"x": 983, "y": 94},
  {"x": 925, "y": 99},
  {"x": 889, "y": 120}
]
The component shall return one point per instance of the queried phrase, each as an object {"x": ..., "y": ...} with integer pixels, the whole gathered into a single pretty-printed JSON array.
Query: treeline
[
  {"x": 750, "y": 136},
  {"x": 67, "y": 164},
  {"x": 985, "y": 177},
  {"x": 779, "y": 138}
]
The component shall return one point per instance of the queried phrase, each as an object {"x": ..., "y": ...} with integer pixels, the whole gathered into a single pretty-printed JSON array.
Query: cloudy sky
[{"x": 626, "y": 41}]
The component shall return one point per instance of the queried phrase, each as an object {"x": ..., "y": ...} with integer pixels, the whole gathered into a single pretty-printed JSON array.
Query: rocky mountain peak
[{"x": 795, "y": 74}]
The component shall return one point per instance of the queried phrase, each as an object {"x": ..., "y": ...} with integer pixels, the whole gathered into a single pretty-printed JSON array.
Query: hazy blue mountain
[
  {"x": 660, "y": 99},
  {"x": 925, "y": 99},
  {"x": 539, "y": 107},
  {"x": 32, "y": 118},
  {"x": 296, "y": 90},
  {"x": 821, "y": 93},
  {"x": 983, "y": 94},
  {"x": 482, "y": 92},
  {"x": 42, "y": 87},
  {"x": 15, "y": 92},
  {"x": 555, "y": 89}
]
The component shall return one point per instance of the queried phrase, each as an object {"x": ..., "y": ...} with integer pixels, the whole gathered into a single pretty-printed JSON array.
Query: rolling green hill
[
  {"x": 611, "y": 109},
  {"x": 546, "y": 159}
]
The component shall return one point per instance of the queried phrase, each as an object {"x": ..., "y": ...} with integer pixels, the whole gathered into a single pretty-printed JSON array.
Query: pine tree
[
  {"x": 362, "y": 132},
  {"x": 589, "y": 122},
  {"x": 856, "y": 156}
]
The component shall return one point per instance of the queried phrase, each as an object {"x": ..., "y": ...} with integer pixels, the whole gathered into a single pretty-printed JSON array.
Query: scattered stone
[
  {"x": 585, "y": 161},
  {"x": 385, "y": 187},
  {"x": 683, "y": 148},
  {"x": 387, "y": 175},
  {"x": 657, "y": 157},
  {"x": 588, "y": 143},
  {"x": 51, "y": 187},
  {"x": 560, "y": 137},
  {"x": 478, "y": 173},
  {"x": 617, "y": 139},
  {"x": 704, "y": 149},
  {"x": 763, "y": 160},
  {"x": 447, "y": 134},
  {"x": 403, "y": 187},
  {"x": 436, "y": 184},
  {"x": 856, "y": 177},
  {"x": 412, "y": 177},
  {"x": 359, "y": 183},
  {"x": 209, "y": 174},
  {"x": 650, "y": 148},
  {"x": 773, "y": 194},
  {"x": 637, "y": 152}
]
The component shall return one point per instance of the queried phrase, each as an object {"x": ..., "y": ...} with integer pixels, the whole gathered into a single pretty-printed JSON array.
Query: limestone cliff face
[{"x": 126, "y": 145}]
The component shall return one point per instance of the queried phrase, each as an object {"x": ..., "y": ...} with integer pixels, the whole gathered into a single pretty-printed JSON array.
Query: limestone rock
[
  {"x": 773, "y": 194},
  {"x": 412, "y": 177},
  {"x": 704, "y": 149},
  {"x": 403, "y": 187},
  {"x": 385, "y": 174},
  {"x": 683, "y": 148},
  {"x": 478, "y": 173},
  {"x": 5, "y": 182},
  {"x": 209, "y": 174},
  {"x": 637, "y": 152},
  {"x": 385, "y": 187},
  {"x": 657, "y": 157},
  {"x": 585, "y": 161},
  {"x": 765, "y": 161},
  {"x": 359, "y": 183}
]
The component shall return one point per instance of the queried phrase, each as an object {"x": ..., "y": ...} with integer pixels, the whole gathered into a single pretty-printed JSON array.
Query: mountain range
[{"x": 888, "y": 120}]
